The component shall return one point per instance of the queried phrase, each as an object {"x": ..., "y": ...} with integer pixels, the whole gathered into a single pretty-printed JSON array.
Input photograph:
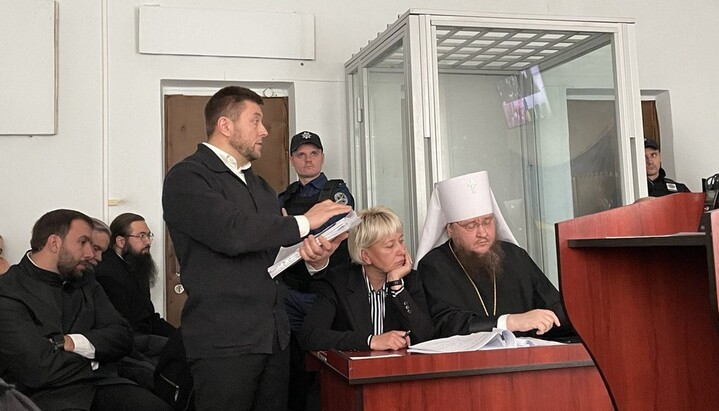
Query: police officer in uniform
[
  {"x": 657, "y": 181},
  {"x": 307, "y": 157}
]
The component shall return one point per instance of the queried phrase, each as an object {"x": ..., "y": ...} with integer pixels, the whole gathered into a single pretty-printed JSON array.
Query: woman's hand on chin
[{"x": 402, "y": 270}]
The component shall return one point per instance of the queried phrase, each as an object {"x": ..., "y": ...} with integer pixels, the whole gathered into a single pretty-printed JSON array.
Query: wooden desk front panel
[
  {"x": 559, "y": 389},
  {"x": 541, "y": 378}
]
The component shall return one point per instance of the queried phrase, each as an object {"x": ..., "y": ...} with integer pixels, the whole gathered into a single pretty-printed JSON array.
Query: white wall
[
  {"x": 109, "y": 140},
  {"x": 41, "y": 173}
]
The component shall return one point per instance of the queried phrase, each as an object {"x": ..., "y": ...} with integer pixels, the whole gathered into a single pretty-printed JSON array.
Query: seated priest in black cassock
[
  {"x": 59, "y": 331},
  {"x": 374, "y": 303},
  {"x": 475, "y": 276}
]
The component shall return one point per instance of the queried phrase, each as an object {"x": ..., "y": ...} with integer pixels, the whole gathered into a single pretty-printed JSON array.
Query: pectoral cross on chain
[{"x": 472, "y": 185}]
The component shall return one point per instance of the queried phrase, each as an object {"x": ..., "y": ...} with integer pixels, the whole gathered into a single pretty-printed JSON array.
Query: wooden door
[
  {"x": 650, "y": 120},
  {"x": 184, "y": 129}
]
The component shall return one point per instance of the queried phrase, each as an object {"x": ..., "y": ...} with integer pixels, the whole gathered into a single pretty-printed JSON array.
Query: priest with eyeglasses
[{"x": 476, "y": 277}]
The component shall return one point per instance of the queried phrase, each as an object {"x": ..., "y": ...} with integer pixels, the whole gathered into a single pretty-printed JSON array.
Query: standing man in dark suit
[
  {"x": 58, "y": 328},
  {"x": 226, "y": 227},
  {"x": 307, "y": 157}
]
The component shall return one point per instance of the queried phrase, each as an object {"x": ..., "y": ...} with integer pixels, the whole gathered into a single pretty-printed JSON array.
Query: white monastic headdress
[{"x": 459, "y": 198}]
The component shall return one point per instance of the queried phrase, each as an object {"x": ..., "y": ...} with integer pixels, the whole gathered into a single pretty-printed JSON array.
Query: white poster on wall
[{"x": 28, "y": 66}]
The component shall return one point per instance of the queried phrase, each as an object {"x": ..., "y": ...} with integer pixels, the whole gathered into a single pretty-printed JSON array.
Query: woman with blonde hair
[{"x": 376, "y": 302}]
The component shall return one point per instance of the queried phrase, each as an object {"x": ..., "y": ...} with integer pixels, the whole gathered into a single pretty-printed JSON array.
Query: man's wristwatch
[{"x": 59, "y": 341}]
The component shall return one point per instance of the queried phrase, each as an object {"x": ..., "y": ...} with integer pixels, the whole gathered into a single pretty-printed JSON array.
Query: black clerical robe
[
  {"x": 130, "y": 295},
  {"x": 34, "y": 306},
  {"x": 453, "y": 302}
]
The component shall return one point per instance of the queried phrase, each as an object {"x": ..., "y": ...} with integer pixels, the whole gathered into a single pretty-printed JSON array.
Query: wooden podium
[
  {"x": 538, "y": 378},
  {"x": 639, "y": 284}
]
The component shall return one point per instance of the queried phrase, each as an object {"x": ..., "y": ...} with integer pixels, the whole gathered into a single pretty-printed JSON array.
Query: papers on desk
[
  {"x": 485, "y": 340},
  {"x": 287, "y": 256}
]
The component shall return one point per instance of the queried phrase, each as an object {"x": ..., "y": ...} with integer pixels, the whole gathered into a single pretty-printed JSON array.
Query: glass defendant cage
[{"x": 550, "y": 107}]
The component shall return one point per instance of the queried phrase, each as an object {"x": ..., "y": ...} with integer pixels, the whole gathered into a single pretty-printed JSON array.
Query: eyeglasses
[
  {"x": 143, "y": 236},
  {"x": 476, "y": 223}
]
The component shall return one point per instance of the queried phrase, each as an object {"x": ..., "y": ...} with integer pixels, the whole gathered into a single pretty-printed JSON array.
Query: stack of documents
[
  {"x": 287, "y": 256},
  {"x": 485, "y": 340}
]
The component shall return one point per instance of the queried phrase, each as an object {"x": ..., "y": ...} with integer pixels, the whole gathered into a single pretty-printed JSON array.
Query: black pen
[{"x": 407, "y": 333}]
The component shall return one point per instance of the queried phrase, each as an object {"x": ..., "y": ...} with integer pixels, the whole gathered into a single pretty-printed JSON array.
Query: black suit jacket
[
  {"x": 340, "y": 317},
  {"x": 31, "y": 311},
  {"x": 226, "y": 234},
  {"x": 130, "y": 294}
]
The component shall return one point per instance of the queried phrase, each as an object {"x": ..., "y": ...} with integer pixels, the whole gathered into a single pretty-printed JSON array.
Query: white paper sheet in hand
[{"x": 287, "y": 256}]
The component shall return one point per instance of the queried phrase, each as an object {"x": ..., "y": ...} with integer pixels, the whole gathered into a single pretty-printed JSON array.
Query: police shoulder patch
[{"x": 340, "y": 198}]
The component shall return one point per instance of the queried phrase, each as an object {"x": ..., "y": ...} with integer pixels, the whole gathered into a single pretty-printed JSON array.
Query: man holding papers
[
  {"x": 475, "y": 276},
  {"x": 226, "y": 227}
]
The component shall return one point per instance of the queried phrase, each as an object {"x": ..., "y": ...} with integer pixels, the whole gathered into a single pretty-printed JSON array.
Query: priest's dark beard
[
  {"x": 76, "y": 274},
  {"x": 482, "y": 266},
  {"x": 141, "y": 265},
  {"x": 67, "y": 267}
]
